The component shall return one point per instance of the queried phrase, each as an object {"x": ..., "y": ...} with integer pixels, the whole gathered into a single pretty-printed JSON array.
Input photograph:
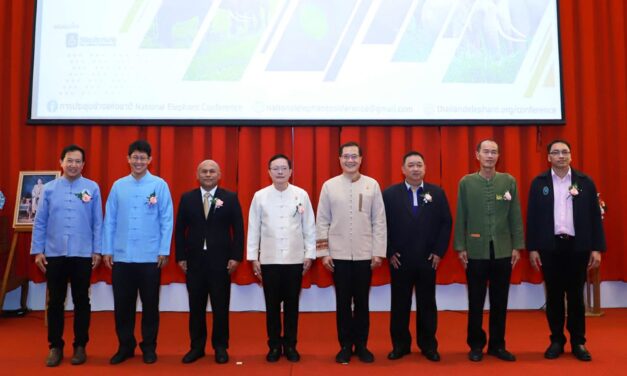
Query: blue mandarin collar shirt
[
  {"x": 136, "y": 230},
  {"x": 66, "y": 224}
]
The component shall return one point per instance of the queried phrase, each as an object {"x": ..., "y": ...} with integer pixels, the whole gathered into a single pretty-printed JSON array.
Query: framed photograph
[{"x": 29, "y": 189}]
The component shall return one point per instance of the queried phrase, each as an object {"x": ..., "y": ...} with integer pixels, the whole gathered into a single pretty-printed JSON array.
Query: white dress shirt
[{"x": 281, "y": 226}]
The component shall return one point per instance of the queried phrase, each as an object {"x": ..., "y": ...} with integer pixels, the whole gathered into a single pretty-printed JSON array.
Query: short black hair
[
  {"x": 411, "y": 154},
  {"x": 556, "y": 141},
  {"x": 71, "y": 148},
  {"x": 485, "y": 140},
  {"x": 141, "y": 146},
  {"x": 349, "y": 144},
  {"x": 280, "y": 156}
]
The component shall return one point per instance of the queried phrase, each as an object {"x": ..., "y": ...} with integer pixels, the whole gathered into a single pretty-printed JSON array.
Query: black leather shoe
[
  {"x": 54, "y": 357},
  {"x": 291, "y": 354},
  {"x": 475, "y": 355},
  {"x": 149, "y": 357},
  {"x": 121, "y": 356},
  {"x": 364, "y": 354},
  {"x": 580, "y": 352},
  {"x": 344, "y": 356},
  {"x": 79, "y": 357},
  {"x": 273, "y": 355},
  {"x": 554, "y": 351},
  {"x": 221, "y": 356},
  {"x": 431, "y": 355},
  {"x": 502, "y": 354},
  {"x": 398, "y": 352},
  {"x": 192, "y": 356}
]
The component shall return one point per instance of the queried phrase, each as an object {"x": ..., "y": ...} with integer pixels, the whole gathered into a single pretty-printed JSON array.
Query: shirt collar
[
  {"x": 212, "y": 192},
  {"x": 408, "y": 186},
  {"x": 567, "y": 176}
]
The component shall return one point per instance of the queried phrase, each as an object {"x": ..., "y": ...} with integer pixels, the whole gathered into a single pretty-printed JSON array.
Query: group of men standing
[{"x": 355, "y": 228}]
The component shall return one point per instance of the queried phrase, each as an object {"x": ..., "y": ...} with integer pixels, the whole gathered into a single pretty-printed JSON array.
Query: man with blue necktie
[{"x": 419, "y": 228}]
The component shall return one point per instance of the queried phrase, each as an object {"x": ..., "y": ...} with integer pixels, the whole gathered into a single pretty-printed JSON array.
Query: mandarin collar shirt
[
  {"x": 350, "y": 223},
  {"x": 136, "y": 229},
  {"x": 563, "y": 204},
  {"x": 69, "y": 219},
  {"x": 281, "y": 226}
]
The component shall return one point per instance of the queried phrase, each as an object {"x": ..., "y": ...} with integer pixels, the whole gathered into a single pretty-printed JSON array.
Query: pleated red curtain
[{"x": 595, "y": 89}]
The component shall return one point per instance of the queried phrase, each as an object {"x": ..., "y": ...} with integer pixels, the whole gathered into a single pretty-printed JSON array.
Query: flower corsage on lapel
[
  {"x": 300, "y": 209},
  {"x": 217, "y": 203},
  {"x": 574, "y": 190},
  {"x": 84, "y": 196},
  {"x": 426, "y": 197},
  {"x": 152, "y": 199},
  {"x": 505, "y": 196}
]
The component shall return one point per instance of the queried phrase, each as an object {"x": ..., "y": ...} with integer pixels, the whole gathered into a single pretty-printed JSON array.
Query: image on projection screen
[{"x": 296, "y": 60}]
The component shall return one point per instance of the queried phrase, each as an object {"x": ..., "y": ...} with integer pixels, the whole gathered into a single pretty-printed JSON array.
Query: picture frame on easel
[{"x": 29, "y": 189}]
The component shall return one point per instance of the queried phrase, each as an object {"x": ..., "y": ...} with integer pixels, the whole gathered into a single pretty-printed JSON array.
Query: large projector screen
[{"x": 296, "y": 61}]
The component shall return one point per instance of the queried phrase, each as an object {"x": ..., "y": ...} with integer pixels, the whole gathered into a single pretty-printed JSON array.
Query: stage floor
[{"x": 23, "y": 348}]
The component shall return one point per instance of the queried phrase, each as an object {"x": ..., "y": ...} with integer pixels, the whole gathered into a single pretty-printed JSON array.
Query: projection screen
[{"x": 296, "y": 62}]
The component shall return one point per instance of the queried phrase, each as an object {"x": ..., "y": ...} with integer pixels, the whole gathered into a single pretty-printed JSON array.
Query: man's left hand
[
  {"x": 595, "y": 260},
  {"x": 307, "y": 265},
  {"x": 515, "y": 257},
  {"x": 232, "y": 266},
  {"x": 435, "y": 261},
  {"x": 95, "y": 260},
  {"x": 162, "y": 261},
  {"x": 376, "y": 262}
]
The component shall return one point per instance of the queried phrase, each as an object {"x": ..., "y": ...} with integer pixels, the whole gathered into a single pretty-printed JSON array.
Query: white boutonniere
[
  {"x": 84, "y": 196},
  {"x": 574, "y": 190},
  {"x": 426, "y": 198},
  {"x": 152, "y": 199}
]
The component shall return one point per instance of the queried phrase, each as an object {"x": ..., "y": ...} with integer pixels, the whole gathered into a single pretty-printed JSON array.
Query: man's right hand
[
  {"x": 534, "y": 259},
  {"x": 463, "y": 258},
  {"x": 327, "y": 262},
  {"x": 108, "y": 261},
  {"x": 40, "y": 261}
]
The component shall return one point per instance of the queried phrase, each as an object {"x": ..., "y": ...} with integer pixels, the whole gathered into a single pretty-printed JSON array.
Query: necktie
[
  {"x": 205, "y": 203},
  {"x": 418, "y": 200}
]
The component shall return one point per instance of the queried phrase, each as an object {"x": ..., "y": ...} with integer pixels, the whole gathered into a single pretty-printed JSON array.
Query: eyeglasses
[
  {"x": 556, "y": 153},
  {"x": 348, "y": 157}
]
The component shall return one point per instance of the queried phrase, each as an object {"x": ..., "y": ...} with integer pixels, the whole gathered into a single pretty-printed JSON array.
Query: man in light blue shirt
[
  {"x": 67, "y": 235},
  {"x": 137, "y": 234}
]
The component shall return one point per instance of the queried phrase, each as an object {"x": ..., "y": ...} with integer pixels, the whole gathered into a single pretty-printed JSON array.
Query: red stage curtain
[{"x": 595, "y": 88}]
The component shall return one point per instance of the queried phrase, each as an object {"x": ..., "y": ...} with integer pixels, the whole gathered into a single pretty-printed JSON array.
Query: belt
[{"x": 564, "y": 236}]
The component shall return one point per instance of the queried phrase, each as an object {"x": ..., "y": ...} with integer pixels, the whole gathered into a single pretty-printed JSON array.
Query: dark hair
[
  {"x": 71, "y": 148},
  {"x": 484, "y": 140},
  {"x": 557, "y": 141},
  {"x": 280, "y": 156},
  {"x": 349, "y": 144},
  {"x": 141, "y": 146},
  {"x": 411, "y": 154}
]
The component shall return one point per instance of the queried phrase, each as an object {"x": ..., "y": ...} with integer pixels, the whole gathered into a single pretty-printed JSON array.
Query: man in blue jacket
[{"x": 137, "y": 235}]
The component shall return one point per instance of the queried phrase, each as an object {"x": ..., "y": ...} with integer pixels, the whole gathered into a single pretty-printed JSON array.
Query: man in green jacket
[{"x": 488, "y": 235}]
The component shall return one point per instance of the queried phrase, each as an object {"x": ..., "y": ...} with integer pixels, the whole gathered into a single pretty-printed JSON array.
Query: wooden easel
[
  {"x": 593, "y": 293},
  {"x": 11, "y": 282}
]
